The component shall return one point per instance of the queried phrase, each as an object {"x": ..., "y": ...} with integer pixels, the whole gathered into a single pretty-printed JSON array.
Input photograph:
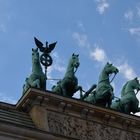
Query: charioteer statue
[
  {"x": 69, "y": 84},
  {"x": 101, "y": 94},
  {"x": 128, "y": 102},
  {"x": 37, "y": 78}
]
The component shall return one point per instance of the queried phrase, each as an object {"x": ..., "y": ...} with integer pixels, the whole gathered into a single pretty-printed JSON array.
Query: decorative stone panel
[{"x": 86, "y": 130}]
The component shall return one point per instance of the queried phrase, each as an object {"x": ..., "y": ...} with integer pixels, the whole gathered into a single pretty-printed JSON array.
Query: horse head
[
  {"x": 69, "y": 84},
  {"x": 109, "y": 68},
  {"x": 75, "y": 61},
  {"x": 36, "y": 66},
  {"x": 130, "y": 86},
  {"x": 35, "y": 55},
  {"x": 134, "y": 84},
  {"x": 37, "y": 78},
  {"x": 128, "y": 102}
]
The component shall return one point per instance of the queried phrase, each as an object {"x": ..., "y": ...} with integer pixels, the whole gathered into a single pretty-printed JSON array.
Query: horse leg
[
  {"x": 81, "y": 95},
  {"x": 36, "y": 83},
  {"x": 64, "y": 92},
  {"x": 81, "y": 92},
  {"x": 127, "y": 108},
  {"x": 44, "y": 85},
  {"x": 138, "y": 109},
  {"x": 109, "y": 102},
  {"x": 66, "y": 88},
  {"x": 78, "y": 88}
]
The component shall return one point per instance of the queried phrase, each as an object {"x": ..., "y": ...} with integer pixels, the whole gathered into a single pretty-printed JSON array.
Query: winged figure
[{"x": 45, "y": 49}]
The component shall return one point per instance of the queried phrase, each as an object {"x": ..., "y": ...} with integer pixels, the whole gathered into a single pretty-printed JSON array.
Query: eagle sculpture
[{"x": 45, "y": 49}]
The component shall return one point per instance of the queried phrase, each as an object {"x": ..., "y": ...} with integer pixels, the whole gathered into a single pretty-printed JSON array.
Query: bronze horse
[
  {"x": 102, "y": 94},
  {"x": 69, "y": 84}
]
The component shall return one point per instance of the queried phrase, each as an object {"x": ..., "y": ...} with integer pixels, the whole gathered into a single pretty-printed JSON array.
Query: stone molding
[
  {"x": 46, "y": 107},
  {"x": 13, "y": 132}
]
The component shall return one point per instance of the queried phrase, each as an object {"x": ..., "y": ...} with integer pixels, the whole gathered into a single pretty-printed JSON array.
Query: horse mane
[{"x": 123, "y": 89}]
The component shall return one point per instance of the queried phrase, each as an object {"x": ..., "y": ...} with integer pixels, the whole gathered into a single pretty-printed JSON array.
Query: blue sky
[{"x": 97, "y": 30}]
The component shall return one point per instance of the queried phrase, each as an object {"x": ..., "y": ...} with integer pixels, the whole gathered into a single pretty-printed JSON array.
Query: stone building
[{"x": 42, "y": 115}]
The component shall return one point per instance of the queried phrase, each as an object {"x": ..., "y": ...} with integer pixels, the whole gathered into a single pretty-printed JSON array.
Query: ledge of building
[
  {"x": 79, "y": 109},
  {"x": 17, "y": 132}
]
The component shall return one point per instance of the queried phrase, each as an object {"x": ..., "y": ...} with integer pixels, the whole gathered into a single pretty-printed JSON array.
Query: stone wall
[
  {"x": 86, "y": 130},
  {"x": 74, "y": 119}
]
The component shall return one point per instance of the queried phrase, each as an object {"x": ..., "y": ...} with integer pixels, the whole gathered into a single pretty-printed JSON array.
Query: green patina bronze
[
  {"x": 128, "y": 102},
  {"x": 102, "y": 94},
  {"x": 45, "y": 58},
  {"x": 69, "y": 84},
  {"x": 37, "y": 78}
]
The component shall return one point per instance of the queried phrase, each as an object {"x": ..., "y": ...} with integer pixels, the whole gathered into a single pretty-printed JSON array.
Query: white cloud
[
  {"x": 49, "y": 72},
  {"x": 81, "y": 39},
  {"x": 98, "y": 54},
  {"x": 129, "y": 15},
  {"x": 2, "y": 28},
  {"x": 114, "y": 87},
  {"x": 138, "y": 11},
  {"x": 60, "y": 68},
  {"x": 76, "y": 95},
  {"x": 49, "y": 76},
  {"x": 102, "y": 6},
  {"x": 135, "y": 31},
  {"x": 7, "y": 99},
  {"x": 57, "y": 66},
  {"x": 81, "y": 26},
  {"x": 127, "y": 71},
  {"x": 138, "y": 96}
]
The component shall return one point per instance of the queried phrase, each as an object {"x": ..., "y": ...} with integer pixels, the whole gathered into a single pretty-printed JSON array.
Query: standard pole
[{"x": 46, "y": 76}]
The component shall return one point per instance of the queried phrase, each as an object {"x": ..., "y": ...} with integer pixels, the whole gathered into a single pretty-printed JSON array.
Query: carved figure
[
  {"x": 37, "y": 78},
  {"x": 102, "y": 94},
  {"x": 69, "y": 84},
  {"x": 128, "y": 102}
]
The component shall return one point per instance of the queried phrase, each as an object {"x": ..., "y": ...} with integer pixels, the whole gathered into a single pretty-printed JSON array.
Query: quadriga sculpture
[
  {"x": 102, "y": 94},
  {"x": 37, "y": 78},
  {"x": 128, "y": 102},
  {"x": 69, "y": 84}
]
